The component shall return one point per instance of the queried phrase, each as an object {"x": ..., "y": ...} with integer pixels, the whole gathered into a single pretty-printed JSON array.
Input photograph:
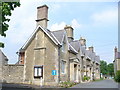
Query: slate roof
[
  {"x": 59, "y": 35},
  {"x": 76, "y": 45},
  {"x": 52, "y": 35},
  {"x": 88, "y": 54},
  {"x": 83, "y": 51},
  {"x": 93, "y": 56},
  {"x": 97, "y": 59}
]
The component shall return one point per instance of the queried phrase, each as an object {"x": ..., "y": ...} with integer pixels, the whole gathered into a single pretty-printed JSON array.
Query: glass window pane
[
  {"x": 63, "y": 66},
  {"x": 35, "y": 74},
  {"x": 39, "y": 71}
]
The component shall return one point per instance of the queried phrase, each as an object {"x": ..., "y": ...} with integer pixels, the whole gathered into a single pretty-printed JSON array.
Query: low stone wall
[{"x": 13, "y": 73}]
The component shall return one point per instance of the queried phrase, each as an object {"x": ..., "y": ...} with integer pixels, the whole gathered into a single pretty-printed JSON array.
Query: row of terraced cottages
[{"x": 50, "y": 57}]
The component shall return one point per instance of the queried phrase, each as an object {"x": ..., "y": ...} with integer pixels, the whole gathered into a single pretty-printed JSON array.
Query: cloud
[
  {"x": 57, "y": 26},
  {"x": 105, "y": 17},
  {"x": 21, "y": 24},
  {"x": 75, "y": 24}
]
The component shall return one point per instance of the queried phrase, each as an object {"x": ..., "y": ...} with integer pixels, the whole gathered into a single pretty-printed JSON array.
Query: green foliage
[
  {"x": 117, "y": 76},
  {"x": 67, "y": 84},
  {"x": 103, "y": 67},
  {"x": 110, "y": 69},
  {"x": 86, "y": 78},
  {"x": 6, "y": 8},
  {"x": 106, "y": 69},
  {"x": 1, "y": 45}
]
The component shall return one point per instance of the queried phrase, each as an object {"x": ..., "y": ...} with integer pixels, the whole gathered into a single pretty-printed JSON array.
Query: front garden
[{"x": 67, "y": 84}]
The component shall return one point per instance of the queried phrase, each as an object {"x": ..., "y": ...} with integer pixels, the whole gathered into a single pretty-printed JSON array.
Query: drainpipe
[
  {"x": 58, "y": 64},
  {"x": 69, "y": 67},
  {"x": 93, "y": 71}
]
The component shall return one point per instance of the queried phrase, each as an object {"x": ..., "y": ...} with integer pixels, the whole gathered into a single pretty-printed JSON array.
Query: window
[
  {"x": 38, "y": 71},
  {"x": 63, "y": 48},
  {"x": 63, "y": 66}
]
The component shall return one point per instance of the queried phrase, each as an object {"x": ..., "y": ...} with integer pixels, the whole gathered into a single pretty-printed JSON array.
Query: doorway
[{"x": 75, "y": 72}]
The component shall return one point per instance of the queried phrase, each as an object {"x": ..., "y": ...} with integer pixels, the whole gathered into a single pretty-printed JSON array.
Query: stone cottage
[
  {"x": 116, "y": 61},
  {"x": 50, "y": 57}
]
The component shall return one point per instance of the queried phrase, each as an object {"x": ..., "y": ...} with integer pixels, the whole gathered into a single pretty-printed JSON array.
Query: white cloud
[
  {"x": 75, "y": 24},
  {"x": 57, "y": 26},
  {"x": 22, "y": 23},
  {"x": 105, "y": 17}
]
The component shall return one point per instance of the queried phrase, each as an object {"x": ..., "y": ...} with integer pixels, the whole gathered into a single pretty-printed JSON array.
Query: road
[
  {"x": 110, "y": 84},
  {"x": 98, "y": 84}
]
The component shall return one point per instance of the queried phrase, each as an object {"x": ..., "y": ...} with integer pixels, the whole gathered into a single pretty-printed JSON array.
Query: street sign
[{"x": 54, "y": 72}]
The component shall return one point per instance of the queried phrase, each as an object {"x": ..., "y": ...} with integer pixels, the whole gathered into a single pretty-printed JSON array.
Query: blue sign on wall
[{"x": 54, "y": 72}]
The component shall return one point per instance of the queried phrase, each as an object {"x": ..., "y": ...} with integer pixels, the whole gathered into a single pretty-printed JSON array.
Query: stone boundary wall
[{"x": 13, "y": 73}]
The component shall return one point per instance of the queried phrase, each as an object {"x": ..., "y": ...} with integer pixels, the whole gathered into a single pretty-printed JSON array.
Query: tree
[
  {"x": 117, "y": 77},
  {"x": 103, "y": 67},
  {"x": 110, "y": 69},
  {"x": 6, "y": 8}
]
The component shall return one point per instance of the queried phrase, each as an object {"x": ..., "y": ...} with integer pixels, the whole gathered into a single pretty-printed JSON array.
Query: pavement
[
  {"x": 12, "y": 86},
  {"x": 108, "y": 83}
]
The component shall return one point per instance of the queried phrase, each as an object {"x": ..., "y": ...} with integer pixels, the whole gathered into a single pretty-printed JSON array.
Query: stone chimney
[
  {"x": 115, "y": 52},
  {"x": 91, "y": 48},
  {"x": 69, "y": 31},
  {"x": 42, "y": 16},
  {"x": 82, "y": 41}
]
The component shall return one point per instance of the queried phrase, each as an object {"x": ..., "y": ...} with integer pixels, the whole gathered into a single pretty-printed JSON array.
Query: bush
[
  {"x": 86, "y": 78},
  {"x": 117, "y": 76}
]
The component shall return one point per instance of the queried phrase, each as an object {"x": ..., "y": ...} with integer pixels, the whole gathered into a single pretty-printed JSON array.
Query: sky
[{"x": 97, "y": 22}]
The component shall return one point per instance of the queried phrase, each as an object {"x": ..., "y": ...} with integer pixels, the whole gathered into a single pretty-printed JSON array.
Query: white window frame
[{"x": 38, "y": 71}]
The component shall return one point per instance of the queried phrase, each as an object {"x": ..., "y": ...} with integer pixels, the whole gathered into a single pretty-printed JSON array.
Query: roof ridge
[
  {"x": 75, "y": 40},
  {"x": 57, "y": 30}
]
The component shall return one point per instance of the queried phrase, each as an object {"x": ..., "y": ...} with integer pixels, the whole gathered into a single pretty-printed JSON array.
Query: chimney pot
[
  {"x": 82, "y": 41},
  {"x": 42, "y": 16},
  {"x": 69, "y": 31},
  {"x": 91, "y": 48},
  {"x": 115, "y": 52}
]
